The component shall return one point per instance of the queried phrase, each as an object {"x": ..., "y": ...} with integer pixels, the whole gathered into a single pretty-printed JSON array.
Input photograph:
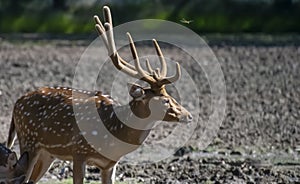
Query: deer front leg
[
  {"x": 33, "y": 157},
  {"x": 108, "y": 175},
  {"x": 79, "y": 164}
]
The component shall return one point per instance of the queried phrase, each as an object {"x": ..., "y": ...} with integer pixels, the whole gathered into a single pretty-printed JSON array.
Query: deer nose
[
  {"x": 190, "y": 117},
  {"x": 186, "y": 118}
]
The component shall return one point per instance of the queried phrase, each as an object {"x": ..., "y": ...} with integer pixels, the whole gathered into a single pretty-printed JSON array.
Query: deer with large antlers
[
  {"x": 58, "y": 122},
  {"x": 12, "y": 170}
]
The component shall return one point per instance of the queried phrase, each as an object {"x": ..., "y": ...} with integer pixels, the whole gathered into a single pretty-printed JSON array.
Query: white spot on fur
[{"x": 94, "y": 132}]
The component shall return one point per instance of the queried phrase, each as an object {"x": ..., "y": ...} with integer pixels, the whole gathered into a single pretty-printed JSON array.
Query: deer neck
[{"x": 121, "y": 122}]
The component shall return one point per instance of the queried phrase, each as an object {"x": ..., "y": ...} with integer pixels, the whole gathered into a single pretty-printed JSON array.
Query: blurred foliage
[{"x": 225, "y": 16}]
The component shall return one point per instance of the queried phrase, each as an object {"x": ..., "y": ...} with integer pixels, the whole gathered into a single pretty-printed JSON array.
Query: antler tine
[
  {"x": 157, "y": 71},
  {"x": 109, "y": 28},
  {"x": 98, "y": 22},
  {"x": 101, "y": 31},
  {"x": 110, "y": 38},
  {"x": 156, "y": 75},
  {"x": 169, "y": 80},
  {"x": 126, "y": 64},
  {"x": 161, "y": 59},
  {"x": 150, "y": 70},
  {"x": 141, "y": 72},
  {"x": 107, "y": 15}
]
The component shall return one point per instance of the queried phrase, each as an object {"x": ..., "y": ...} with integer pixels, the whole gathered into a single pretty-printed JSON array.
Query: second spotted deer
[
  {"x": 12, "y": 170},
  {"x": 48, "y": 126}
]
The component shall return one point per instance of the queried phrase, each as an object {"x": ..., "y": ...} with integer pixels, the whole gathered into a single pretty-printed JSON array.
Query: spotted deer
[
  {"x": 12, "y": 171},
  {"x": 48, "y": 122}
]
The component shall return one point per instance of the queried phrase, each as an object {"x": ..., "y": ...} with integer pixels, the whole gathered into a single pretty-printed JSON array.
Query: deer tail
[{"x": 11, "y": 134}]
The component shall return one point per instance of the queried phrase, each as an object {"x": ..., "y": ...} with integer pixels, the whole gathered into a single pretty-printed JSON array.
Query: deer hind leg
[
  {"x": 42, "y": 165},
  {"x": 79, "y": 164},
  {"x": 108, "y": 175}
]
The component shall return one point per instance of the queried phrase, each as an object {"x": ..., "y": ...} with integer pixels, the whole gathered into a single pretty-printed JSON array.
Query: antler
[{"x": 156, "y": 78}]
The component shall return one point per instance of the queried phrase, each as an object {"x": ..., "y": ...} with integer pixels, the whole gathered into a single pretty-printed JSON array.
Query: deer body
[{"x": 59, "y": 122}]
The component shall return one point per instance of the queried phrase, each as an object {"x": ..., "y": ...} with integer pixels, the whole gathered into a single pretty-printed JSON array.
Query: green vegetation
[{"x": 226, "y": 16}]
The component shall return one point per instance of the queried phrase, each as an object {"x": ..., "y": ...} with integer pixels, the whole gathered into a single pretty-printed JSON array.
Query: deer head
[
  {"x": 146, "y": 100},
  {"x": 12, "y": 171}
]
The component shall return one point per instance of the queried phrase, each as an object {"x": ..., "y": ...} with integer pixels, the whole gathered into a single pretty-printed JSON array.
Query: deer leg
[
  {"x": 33, "y": 156},
  {"x": 78, "y": 170},
  {"x": 42, "y": 165},
  {"x": 108, "y": 175}
]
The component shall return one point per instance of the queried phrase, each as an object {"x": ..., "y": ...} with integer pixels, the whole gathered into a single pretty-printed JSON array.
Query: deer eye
[{"x": 166, "y": 101}]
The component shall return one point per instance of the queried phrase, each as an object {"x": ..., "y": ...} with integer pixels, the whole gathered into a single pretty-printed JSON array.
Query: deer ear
[
  {"x": 11, "y": 160},
  {"x": 135, "y": 90},
  {"x": 22, "y": 163}
]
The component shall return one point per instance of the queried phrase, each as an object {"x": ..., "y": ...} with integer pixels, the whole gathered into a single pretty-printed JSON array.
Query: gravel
[{"x": 258, "y": 141}]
